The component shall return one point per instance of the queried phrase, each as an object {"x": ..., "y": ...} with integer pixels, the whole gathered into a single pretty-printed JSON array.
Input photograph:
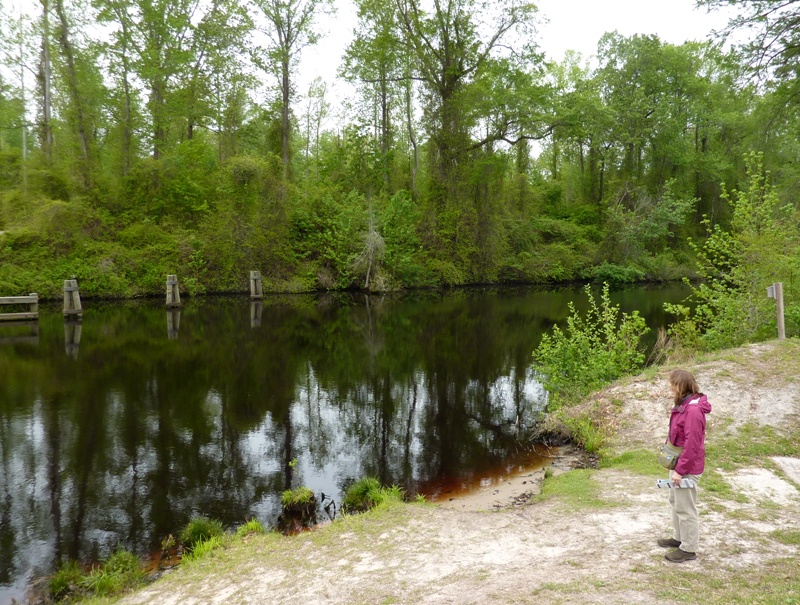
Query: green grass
[
  {"x": 786, "y": 536},
  {"x": 200, "y": 529},
  {"x": 751, "y": 445},
  {"x": 775, "y": 582},
  {"x": 577, "y": 489},
  {"x": 202, "y": 549},
  {"x": 640, "y": 462},
  {"x": 368, "y": 493},
  {"x": 253, "y": 526},
  {"x": 65, "y": 579},
  {"x": 122, "y": 571},
  {"x": 300, "y": 496}
]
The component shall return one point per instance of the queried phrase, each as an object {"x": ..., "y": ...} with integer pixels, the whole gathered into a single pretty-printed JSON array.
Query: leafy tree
[
  {"x": 289, "y": 28},
  {"x": 375, "y": 60},
  {"x": 737, "y": 265},
  {"x": 772, "y": 51}
]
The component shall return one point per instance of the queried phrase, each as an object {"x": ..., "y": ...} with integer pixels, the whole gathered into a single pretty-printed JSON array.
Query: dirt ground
[{"x": 494, "y": 547}]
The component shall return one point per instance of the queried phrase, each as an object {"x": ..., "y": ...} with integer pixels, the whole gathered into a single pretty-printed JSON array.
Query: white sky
[{"x": 570, "y": 25}]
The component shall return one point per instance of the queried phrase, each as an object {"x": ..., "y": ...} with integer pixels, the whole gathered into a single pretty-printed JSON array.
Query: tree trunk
[
  {"x": 285, "y": 123},
  {"x": 157, "y": 103},
  {"x": 45, "y": 79},
  {"x": 74, "y": 93},
  {"x": 413, "y": 140},
  {"x": 385, "y": 126}
]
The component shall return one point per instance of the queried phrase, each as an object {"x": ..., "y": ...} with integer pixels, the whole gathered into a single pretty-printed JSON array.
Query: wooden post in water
[
  {"x": 256, "y": 308},
  {"x": 256, "y": 286},
  {"x": 776, "y": 291},
  {"x": 72, "y": 300},
  {"x": 173, "y": 291},
  {"x": 173, "y": 323},
  {"x": 72, "y": 338}
]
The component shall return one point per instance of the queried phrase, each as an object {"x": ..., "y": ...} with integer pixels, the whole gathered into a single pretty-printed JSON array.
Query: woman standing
[{"x": 687, "y": 429}]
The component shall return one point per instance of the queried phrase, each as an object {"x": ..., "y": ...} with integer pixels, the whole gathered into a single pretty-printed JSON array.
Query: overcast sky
[{"x": 570, "y": 25}]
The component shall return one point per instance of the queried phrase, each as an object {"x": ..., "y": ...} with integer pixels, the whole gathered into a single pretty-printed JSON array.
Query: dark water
[{"x": 151, "y": 418}]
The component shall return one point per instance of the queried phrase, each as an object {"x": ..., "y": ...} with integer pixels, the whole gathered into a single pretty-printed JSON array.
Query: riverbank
[{"x": 588, "y": 537}]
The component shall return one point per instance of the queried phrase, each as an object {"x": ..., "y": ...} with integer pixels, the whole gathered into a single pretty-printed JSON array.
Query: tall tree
[
  {"x": 45, "y": 81},
  {"x": 76, "y": 98},
  {"x": 477, "y": 92},
  {"x": 173, "y": 48},
  {"x": 375, "y": 61},
  {"x": 289, "y": 28}
]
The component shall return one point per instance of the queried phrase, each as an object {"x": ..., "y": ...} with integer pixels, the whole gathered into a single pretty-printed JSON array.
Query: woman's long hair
[{"x": 684, "y": 384}]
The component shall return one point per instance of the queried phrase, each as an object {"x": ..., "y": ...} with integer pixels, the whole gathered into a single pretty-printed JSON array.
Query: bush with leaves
[
  {"x": 591, "y": 352},
  {"x": 737, "y": 265}
]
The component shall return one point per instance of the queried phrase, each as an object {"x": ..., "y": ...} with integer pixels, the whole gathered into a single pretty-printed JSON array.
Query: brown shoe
[
  {"x": 669, "y": 542},
  {"x": 679, "y": 556}
]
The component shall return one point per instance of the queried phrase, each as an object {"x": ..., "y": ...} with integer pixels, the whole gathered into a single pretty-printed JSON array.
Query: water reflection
[{"x": 122, "y": 444}]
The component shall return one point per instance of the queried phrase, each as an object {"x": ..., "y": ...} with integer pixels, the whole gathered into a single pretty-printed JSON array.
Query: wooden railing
[{"x": 33, "y": 310}]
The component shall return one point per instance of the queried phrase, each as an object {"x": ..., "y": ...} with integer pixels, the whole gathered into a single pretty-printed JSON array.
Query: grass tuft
[
  {"x": 253, "y": 526},
  {"x": 297, "y": 497},
  {"x": 202, "y": 549},
  {"x": 200, "y": 529},
  {"x": 367, "y": 493}
]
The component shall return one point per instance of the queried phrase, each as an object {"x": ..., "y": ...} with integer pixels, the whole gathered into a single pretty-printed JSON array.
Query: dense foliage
[
  {"x": 594, "y": 348},
  {"x": 141, "y": 137}
]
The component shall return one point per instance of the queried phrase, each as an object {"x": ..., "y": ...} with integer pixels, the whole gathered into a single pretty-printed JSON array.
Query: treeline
[{"x": 146, "y": 137}]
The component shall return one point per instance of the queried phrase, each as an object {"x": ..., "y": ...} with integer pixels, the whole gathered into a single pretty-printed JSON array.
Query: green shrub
[
  {"x": 593, "y": 350},
  {"x": 614, "y": 274},
  {"x": 737, "y": 265},
  {"x": 200, "y": 529}
]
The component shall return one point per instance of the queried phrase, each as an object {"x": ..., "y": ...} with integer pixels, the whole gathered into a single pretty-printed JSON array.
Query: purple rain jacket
[{"x": 687, "y": 429}]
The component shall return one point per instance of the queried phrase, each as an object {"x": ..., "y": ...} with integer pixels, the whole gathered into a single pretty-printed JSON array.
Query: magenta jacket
[{"x": 687, "y": 429}]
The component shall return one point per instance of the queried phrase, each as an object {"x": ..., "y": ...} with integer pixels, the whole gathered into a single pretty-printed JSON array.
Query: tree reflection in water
[{"x": 122, "y": 441}]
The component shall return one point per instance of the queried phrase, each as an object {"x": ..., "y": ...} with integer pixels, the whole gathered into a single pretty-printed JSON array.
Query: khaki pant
[{"x": 685, "y": 519}]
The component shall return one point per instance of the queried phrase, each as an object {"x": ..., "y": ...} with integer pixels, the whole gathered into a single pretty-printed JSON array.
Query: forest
[{"x": 145, "y": 137}]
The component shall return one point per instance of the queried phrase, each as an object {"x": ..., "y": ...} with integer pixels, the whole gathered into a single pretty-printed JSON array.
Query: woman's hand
[{"x": 676, "y": 479}]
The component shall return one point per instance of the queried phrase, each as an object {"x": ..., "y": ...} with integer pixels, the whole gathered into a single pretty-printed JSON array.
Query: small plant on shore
[
  {"x": 200, "y": 529},
  {"x": 65, "y": 580},
  {"x": 253, "y": 526},
  {"x": 202, "y": 549},
  {"x": 120, "y": 572},
  {"x": 367, "y": 493},
  {"x": 593, "y": 350},
  {"x": 296, "y": 497}
]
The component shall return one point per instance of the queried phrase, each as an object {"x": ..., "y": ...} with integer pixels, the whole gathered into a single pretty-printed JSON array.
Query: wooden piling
[
  {"x": 32, "y": 300},
  {"x": 256, "y": 285},
  {"x": 173, "y": 291},
  {"x": 72, "y": 300}
]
